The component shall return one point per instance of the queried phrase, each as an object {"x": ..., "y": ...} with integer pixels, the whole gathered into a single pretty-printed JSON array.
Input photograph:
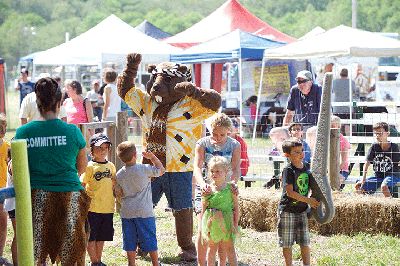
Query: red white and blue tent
[{"x": 227, "y": 18}]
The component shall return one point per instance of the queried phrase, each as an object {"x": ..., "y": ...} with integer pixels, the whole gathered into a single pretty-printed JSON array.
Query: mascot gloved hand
[{"x": 172, "y": 110}]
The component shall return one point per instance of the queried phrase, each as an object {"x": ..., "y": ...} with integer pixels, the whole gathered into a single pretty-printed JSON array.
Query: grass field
[{"x": 253, "y": 248}]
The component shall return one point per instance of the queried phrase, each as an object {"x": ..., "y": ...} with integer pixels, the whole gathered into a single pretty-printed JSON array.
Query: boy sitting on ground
[{"x": 385, "y": 157}]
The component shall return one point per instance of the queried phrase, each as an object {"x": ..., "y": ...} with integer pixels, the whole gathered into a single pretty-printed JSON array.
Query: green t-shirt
[{"x": 53, "y": 146}]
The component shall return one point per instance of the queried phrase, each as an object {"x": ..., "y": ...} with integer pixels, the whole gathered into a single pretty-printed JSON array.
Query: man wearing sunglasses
[{"x": 304, "y": 101}]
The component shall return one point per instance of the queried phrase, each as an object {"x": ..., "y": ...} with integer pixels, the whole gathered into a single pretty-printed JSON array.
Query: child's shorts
[
  {"x": 139, "y": 231},
  {"x": 293, "y": 227},
  {"x": 11, "y": 214},
  {"x": 101, "y": 226},
  {"x": 372, "y": 184}
]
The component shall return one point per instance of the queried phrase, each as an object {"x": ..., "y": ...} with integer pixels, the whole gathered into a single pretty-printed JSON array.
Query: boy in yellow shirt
[
  {"x": 4, "y": 146},
  {"x": 99, "y": 181}
]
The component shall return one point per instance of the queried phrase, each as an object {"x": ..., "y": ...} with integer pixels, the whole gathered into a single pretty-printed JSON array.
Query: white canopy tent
[
  {"x": 111, "y": 36},
  {"x": 339, "y": 42},
  {"x": 317, "y": 30}
]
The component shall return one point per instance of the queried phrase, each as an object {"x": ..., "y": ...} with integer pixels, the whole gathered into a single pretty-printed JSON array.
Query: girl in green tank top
[{"x": 220, "y": 213}]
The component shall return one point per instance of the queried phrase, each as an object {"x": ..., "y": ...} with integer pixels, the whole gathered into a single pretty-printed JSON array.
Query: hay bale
[{"x": 354, "y": 213}]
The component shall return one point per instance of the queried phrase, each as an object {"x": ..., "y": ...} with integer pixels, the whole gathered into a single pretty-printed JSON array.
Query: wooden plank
[
  {"x": 254, "y": 177},
  {"x": 368, "y": 140}
]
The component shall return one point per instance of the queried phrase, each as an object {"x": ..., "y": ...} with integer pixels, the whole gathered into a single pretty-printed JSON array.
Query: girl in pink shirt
[
  {"x": 78, "y": 110},
  {"x": 344, "y": 151}
]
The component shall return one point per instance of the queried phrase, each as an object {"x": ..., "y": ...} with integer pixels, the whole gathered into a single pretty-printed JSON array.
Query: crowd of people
[
  {"x": 99, "y": 103},
  {"x": 70, "y": 194}
]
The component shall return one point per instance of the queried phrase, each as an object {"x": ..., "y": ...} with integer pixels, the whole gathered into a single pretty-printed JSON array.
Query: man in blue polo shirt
[
  {"x": 24, "y": 85},
  {"x": 304, "y": 101}
]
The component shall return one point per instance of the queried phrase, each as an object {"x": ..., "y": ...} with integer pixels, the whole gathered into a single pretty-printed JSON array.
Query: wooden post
[
  {"x": 334, "y": 159},
  {"x": 121, "y": 134},
  {"x": 111, "y": 134},
  {"x": 110, "y": 131}
]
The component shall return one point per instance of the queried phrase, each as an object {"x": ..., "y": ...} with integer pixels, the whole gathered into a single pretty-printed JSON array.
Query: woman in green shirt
[{"x": 56, "y": 157}]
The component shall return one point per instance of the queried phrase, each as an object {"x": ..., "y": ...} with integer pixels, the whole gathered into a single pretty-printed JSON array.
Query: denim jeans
[{"x": 177, "y": 187}]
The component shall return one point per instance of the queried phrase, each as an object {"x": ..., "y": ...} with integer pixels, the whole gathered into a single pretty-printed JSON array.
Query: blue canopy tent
[
  {"x": 236, "y": 46},
  {"x": 150, "y": 30},
  {"x": 230, "y": 47}
]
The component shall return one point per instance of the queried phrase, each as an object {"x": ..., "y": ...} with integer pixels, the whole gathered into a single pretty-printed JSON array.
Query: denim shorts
[
  {"x": 391, "y": 181},
  {"x": 373, "y": 183},
  {"x": 177, "y": 187},
  {"x": 139, "y": 231},
  {"x": 293, "y": 227}
]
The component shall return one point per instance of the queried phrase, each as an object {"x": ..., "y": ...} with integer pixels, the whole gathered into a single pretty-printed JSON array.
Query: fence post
[
  {"x": 121, "y": 134},
  {"x": 334, "y": 159},
  {"x": 110, "y": 131}
]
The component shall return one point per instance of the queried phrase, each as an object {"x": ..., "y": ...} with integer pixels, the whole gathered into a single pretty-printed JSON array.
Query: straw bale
[{"x": 353, "y": 213}]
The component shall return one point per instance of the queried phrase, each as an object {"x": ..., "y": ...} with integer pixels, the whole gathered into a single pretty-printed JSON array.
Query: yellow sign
[{"x": 276, "y": 79}]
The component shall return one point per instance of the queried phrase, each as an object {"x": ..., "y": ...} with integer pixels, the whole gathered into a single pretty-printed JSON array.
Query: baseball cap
[
  {"x": 24, "y": 71},
  {"x": 304, "y": 74},
  {"x": 98, "y": 139}
]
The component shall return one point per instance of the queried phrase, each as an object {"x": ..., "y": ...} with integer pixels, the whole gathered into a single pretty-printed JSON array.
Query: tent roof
[
  {"x": 228, "y": 17},
  {"x": 229, "y": 47},
  {"x": 152, "y": 31},
  {"x": 338, "y": 42},
  {"x": 317, "y": 30},
  {"x": 110, "y": 36}
]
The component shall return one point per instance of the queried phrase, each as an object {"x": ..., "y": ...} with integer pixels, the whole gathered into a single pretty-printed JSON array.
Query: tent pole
[
  {"x": 240, "y": 96},
  {"x": 258, "y": 98},
  {"x": 350, "y": 100},
  {"x": 33, "y": 71}
]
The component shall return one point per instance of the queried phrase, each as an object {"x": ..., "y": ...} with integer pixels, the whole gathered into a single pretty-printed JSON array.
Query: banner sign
[{"x": 276, "y": 79}]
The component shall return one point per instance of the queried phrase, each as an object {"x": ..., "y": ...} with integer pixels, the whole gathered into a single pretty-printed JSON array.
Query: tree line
[{"x": 36, "y": 25}]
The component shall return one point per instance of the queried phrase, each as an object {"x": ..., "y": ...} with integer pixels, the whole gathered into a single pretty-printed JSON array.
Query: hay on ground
[{"x": 353, "y": 213}]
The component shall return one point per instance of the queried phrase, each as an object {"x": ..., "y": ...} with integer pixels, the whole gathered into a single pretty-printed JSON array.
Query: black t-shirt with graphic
[
  {"x": 385, "y": 163},
  {"x": 300, "y": 179}
]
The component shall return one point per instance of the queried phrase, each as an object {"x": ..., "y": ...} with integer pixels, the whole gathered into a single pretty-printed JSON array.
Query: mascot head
[{"x": 163, "y": 80}]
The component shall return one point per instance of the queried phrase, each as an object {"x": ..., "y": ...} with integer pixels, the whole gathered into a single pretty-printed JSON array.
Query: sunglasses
[{"x": 302, "y": 81}]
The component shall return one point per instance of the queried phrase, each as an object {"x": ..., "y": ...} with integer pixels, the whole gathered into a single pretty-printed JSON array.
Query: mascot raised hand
[{"x": 172, "y": 110}]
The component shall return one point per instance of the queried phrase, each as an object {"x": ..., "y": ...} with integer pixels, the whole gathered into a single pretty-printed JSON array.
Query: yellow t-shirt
[
  {"x": 3, "y": 163},
  {"x": 99, "y": 179},
  {"x": 184, "y": 127}
]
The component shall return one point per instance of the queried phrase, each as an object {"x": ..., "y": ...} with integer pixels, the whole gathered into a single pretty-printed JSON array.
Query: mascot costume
[{"x": 172, "y": 112}]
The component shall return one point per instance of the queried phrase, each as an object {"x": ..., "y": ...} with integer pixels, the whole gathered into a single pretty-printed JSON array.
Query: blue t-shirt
[
  {"x": 211, "y": 150},
  {"x": 53, "y": 147},
  {"x": 306, "y": 107},
  {"x": 307, "y": 152},
  {"x": 24, "y": 89}
]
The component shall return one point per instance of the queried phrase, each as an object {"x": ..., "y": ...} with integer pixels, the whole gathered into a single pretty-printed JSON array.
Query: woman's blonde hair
[
  {"x": 219, "y": 161},
  {"x": 221, "y": 120}
]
